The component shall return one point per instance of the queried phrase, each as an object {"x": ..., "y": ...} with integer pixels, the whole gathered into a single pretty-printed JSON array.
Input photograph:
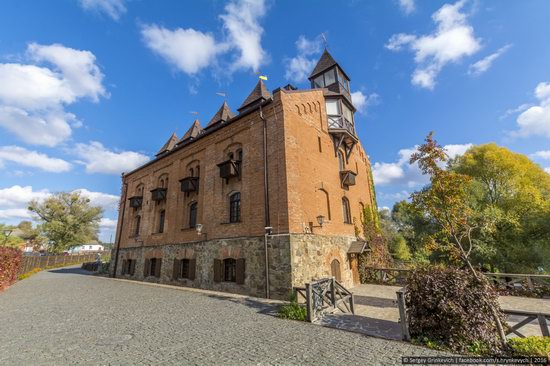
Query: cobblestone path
[{"x": 66, "y": 317}]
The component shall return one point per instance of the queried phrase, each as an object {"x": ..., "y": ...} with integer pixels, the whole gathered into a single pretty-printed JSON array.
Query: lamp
[
  {"x": 198, "y": 227},
  {"x": 321, "y": 220}
]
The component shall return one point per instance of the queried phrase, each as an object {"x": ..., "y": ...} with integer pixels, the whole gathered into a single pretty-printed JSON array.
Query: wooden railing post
[
  {"x": 333, "y": 293},
  {"x": 543, "y": 325},
  {"x": 309, "y": 303},
  {"x": 403, "y": 315}
]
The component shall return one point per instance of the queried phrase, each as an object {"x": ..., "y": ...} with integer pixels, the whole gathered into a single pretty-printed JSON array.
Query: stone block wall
[
  {"x": 204, "y": 252},
  {"x": 312, "y": 255}
]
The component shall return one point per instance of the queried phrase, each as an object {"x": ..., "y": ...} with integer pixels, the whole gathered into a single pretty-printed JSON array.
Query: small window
[
  {"x": 184, "y": 268},
  {"x": 198, "y": 171},
  {"x": 348, "y": 114},
  {"x": 193, "y": 214},
  {"x": 152, "y": 266},
  {"x": 330, "y": 78},
  {"x": 230, "y": 270},
  {"x": 138, "y": 224},
  {"x": 346, "y": 211},
  {"x": 318, "y": 81},
  {"x": 230, "y": 156},
  {"x": 191, "y": 172},
  {"x": 332, "y": 107},
  {"x": 240, "y": 155},
  {"x": 162, "y": 217},
  {"x": 235, "y": 207},
  {"x": 319, "y": 142}
]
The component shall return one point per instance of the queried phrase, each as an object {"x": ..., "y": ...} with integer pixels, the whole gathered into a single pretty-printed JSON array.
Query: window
[
  {"x": 319, "y": 142},
  {"x": 235, "y": 207},
  {"x": 332, "y": 107},
  {"x": 184, "y": 269},
  {"x": 162, "y": 216},
  {"x": 198, "y": 171},
  {"x": 318, "y": 81},
  {"x": 346, "y": 211},
  {"x": 230, "y": 156},
  {"x": 191, "y": 172},
  {"x": 348, "y": 114},
  {"x": 138, "y": 224},
  {"x": 128, "y": 267},
  {"x": 330, "y": 78},
  {"x": 230, "y": 270},
  {"x": 152, "y": 267},
  {"x": 240, "y": 155},
  {"x": 193, "y": 214}
]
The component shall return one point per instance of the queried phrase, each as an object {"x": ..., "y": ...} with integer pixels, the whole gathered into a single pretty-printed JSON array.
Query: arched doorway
[{"x": 335, "y": 270}]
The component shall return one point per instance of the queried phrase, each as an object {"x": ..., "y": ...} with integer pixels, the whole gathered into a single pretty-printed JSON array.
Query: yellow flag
[{"x": 263, "y": 77}]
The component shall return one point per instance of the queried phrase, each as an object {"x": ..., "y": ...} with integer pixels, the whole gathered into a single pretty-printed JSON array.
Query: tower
[{"x": 329, "y": 76}]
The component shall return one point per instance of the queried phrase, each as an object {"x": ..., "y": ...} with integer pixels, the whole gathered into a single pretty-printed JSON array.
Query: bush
[
  {"x": 293, "y": 310},
  {"x": 10, "y": 260},
  {"x": 530, "y": 346},
  {"x": 90, "y": 266},
  {"x": 446, "y": 307},
  {"x": 28, "y": 274}
]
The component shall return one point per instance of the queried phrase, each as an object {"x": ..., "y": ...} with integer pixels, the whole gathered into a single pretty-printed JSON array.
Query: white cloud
[
  {"x": 241, "y": 22},
  {"x": 33, "y": 159},
  {"x": 14, "y": 200},
  {"x": 187, "y": 49},
  {"x": 452, "y": 40},
  {"x": 298, "y": 68},
  {"x": 547, "y": 170},
  {"x": 190, "y": 50},
  {"x": 105, "y": 200},
  {"x": 407, "y": 6},
  {"x": 485, "y": 63},
  {"x": 99, "y": 159},
  {"x": 403, "y": 173},
  {"x": 362, "y": 102},
  {"x": 112, "y": 8},
  {"x": 107, "y": 223},
  {"x": 516, "y": 110},
  {"x": 535, "y": 121},
  {"x": 542, "y": 155},
  {"x": 33, "y": 97}
]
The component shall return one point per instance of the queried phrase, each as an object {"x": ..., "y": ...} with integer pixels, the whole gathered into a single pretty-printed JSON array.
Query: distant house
[{"x": 88, "y": 248}]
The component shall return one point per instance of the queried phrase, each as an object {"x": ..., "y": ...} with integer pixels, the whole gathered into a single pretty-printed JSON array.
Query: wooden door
[{"x": 335, "y": 270}]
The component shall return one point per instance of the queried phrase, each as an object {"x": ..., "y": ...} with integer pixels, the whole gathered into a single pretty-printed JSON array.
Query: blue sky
[{"x": 91, "y": 88}]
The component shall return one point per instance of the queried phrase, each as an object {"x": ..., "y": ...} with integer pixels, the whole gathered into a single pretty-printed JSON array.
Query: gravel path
[{"x": 67, "y": 317}]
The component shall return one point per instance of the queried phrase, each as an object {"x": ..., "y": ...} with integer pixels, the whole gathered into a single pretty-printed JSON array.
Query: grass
[{"x": 530, "y": 346}]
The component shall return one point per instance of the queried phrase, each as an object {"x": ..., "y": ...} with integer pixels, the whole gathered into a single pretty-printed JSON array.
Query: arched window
[
  {"x": 341, "y": 161},
  {"x": 162, "y": 183},
  {"x": 230, "y": 155},
  {"x": 193, "y": 207},
  {"x": 162, "y": 217},
  {"x": 326, "y": 199},
  {"x": 235, "y": 207},
  {"x": 230, "y": 270},
  {"x": 346, "y": 211},
  {"x": 198, "y": 170},
  {"x": 138, "y": 224},
  {"x": 191, "y": 172},
  {"x": 240, "y": 155},
  {"x": 335, "y": 270}
]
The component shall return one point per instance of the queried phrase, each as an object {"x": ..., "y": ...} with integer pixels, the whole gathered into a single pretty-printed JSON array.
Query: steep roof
[
  {"x": 169, "y": 145},
  {"x": 259, "y": 93},
  {"x": 325, "y": 62},
  {"x": 223, "y": 114},
  {"x": 193, "y": 131}
]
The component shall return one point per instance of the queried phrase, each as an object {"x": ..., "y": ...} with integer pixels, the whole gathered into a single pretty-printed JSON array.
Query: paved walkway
[
  {"x": 376, "y": 312},
  {"x": 67, "y": 317}
]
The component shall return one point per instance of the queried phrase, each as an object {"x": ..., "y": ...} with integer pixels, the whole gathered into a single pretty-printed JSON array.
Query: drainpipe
[
  {"x": 119, "y": 234},
  {"x": 266, "y": 204}
]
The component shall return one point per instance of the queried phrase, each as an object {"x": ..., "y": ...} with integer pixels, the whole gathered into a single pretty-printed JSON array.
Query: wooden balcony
[
  {"x": 347, "y": 177},
  {"x": 136, "y": 201},
  {"x": 340, "y": 124},
  {"x": 230, "y": 169},
  {"x": 158, "y": 194},
  {"x": 189, "y": 184}
]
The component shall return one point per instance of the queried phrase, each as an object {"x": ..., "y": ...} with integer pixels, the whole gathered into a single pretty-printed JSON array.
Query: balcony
[
  {"x": 189, "y": 184},
  {"x": 229, "y": 169},
  {"x": 339, "y": 123},
  {"x": 158, "y": 194},
  {"x": 136, "y": 201},
  {"x": 347, "y": 177}
]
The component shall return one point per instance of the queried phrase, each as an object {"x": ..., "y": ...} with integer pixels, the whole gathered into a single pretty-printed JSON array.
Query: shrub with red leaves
[
  {"x": 448, "y": 307},
  {"x": 10, "y": 260}
]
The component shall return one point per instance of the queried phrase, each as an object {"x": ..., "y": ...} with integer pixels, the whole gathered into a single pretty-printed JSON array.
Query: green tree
[
  {"x": 67, "y": 220},
  {"x": 8, "y": 239},
  {"x": 446, "y": 202},
  {"x": 399, "y": 248},
  {"x": 512, "y": 193},
  {"x": 30, "y": 234}
]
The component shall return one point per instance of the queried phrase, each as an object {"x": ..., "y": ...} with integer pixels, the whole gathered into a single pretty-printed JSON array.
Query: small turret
[
  {"x": 223, "y": 114},
  {"x": 169, "y": 145},
  {"x": 258, "y": 95},
  {"x": 194, "y": 131}
]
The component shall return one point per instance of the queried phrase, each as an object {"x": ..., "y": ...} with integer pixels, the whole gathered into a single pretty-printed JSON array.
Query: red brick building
[{"x": 254, "y": 202}]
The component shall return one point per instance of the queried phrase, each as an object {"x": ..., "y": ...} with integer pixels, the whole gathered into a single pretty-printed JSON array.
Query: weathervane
[{"x": 325, "y": 42}]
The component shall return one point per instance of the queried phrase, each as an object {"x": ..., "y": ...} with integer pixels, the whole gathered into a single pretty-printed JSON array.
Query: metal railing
[{"x": 325, "y": 296}]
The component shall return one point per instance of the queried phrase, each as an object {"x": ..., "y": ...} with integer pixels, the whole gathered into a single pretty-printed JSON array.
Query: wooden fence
[
  {"x": 506, "y": 283},
  {"x": 325, "y": 296},
  {"x": 28, "y": 263}
]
